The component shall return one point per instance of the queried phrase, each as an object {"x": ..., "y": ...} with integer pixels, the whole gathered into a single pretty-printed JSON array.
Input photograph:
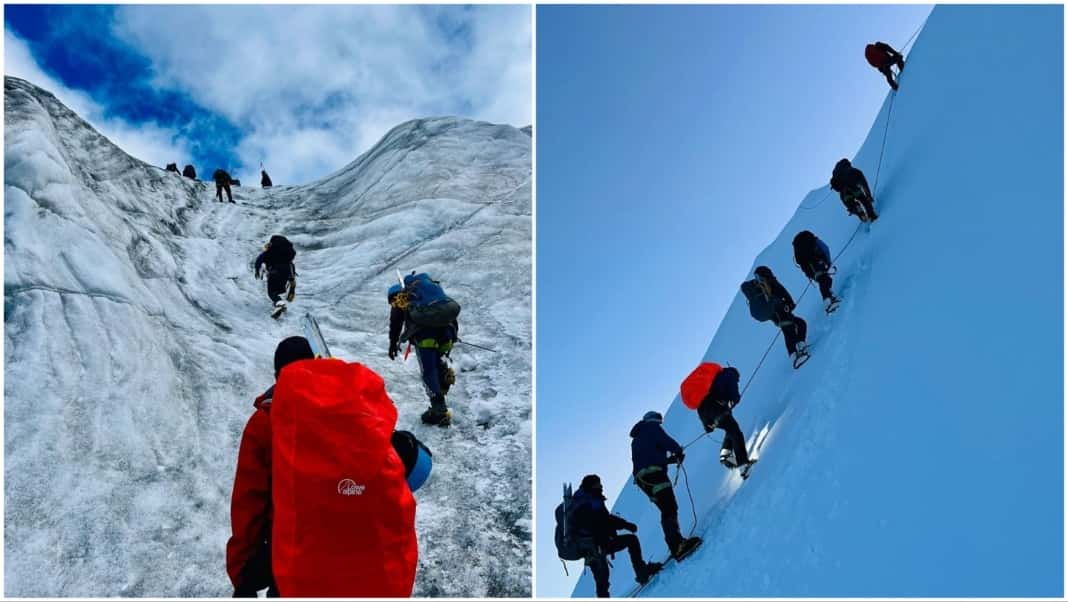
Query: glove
[
  {"x": 631, "y": 527},
  {"x": 393, "y": 350},
  {"x": 257, "y": 273},
  {"x": 292, "y": 290},
  {"x": 677, "y": 458}
]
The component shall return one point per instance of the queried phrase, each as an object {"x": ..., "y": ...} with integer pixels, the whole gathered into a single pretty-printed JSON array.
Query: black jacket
[
  {"x": 810, "y": 256},
  {"x": 846, "y": 177},
  {"x": 592, "y": 518},
  {"x": 780, "y": 297},
  {"x": 265, "y": 181},
  {"x": 650, "y": 446},
  {"x": 721, "y": 398},
  {"x": 221, "y": 177}
]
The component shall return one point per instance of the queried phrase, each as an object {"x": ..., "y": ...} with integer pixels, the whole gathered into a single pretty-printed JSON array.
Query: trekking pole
[{"x": 462, "y": 342}]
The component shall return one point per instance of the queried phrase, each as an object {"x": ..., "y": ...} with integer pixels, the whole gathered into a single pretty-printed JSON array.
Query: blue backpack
[
  {"x": 428, "y": 305},
  {"x": 824, "y": 250}
]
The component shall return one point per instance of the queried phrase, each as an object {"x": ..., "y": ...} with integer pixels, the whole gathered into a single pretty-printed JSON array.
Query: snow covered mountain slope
[
  {"x": 920, "y": 451},
  {"x": 136, "y": 339}
]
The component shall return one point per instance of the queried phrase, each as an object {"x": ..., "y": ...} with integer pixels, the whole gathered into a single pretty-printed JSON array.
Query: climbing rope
[
  {"x": 693, "y": 507},
  {"x": 825, "y": 196},
  {"x": 886, "y": 130},
  {"x": 905, "y": 45}
]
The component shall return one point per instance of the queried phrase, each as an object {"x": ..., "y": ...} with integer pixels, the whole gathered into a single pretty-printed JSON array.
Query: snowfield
[
  {"x": 136, "y": 339},
  {"x": 920, "y": 451}
]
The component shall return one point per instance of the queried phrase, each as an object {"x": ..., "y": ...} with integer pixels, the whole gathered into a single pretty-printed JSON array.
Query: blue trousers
[{"x": 430, "y": 364}]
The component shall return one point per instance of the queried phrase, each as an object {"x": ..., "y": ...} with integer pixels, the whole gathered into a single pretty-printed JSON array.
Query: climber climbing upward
[
  {"x": 651, "y": 450},
  {"x": 881, "y": 56},
  {"x": 278, "y": 255},
  {"x": 852, "y": 187},
  {"x": 814, "y": 259},
  {"x": 713, "y": 391},
  {"x": 222, "y": 182},
  {"x": 769, "y": 300},
  {"x": 424, "y": 316}
]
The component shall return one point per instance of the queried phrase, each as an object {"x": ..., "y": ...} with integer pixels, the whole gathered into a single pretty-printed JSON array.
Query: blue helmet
[
  {"x": 419, "y": 473},
  {"x": 393, "y": 290},
  {"x": 417, "y": 459}
]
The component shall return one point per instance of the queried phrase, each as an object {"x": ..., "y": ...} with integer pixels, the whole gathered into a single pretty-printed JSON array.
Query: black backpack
[
  {"x": 189, "y": 172},
  {"x": 760, "y": 306},
  {"x": 172, "y": 167},
  {"x": 280, "y": 251},
  {"x": 809, "y": 249},
  {"x": 569, "y": 544}
]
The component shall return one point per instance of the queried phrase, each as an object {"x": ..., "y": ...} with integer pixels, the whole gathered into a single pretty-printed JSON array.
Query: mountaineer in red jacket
[
  {"x": 881, "y": 56},
  {"x": 332, "y": 434}
]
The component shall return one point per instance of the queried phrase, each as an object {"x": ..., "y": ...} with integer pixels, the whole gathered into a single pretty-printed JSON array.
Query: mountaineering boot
[
  {"x": 685, "y": 547},
  {"x": 831, "y": 303},
  {"x": 643, "y": 573},
  {"x": 745, "y": 469},
  {"x": 279, "y": 309},
  {"x": 437, "y": 416},
  {"x": 801, "y": 355},
  {"x": 726, "y": 458},
  {"x": 448, "y": 377}
]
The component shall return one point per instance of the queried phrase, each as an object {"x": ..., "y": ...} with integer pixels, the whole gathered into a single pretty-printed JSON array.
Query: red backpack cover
[
  {"x": 698, "y": 383},
  {"x": 344, "y": 518},
  {"x": 876, "y": 58}
]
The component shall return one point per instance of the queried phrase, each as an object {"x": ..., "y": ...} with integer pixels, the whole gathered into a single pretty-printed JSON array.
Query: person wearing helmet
[
  {"x": 432, "y": 345},
  {"x": 852, "y": 187},
  {"x": 770, "y": 293},
  {"x": 881, "y": 56},
  {"x": 814, "y": 259},
  {"x": 651, "y": 450},
  {"x": 252, "y": 511}
]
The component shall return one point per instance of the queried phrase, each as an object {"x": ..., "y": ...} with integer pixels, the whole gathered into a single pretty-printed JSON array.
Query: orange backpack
[
  {"x": 698, "y": 383},
  {"x": 344, "y": 517}
]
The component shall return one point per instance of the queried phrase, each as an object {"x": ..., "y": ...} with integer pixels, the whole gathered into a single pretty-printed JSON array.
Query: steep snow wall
[
  {"x": 920, "y": 450},
  {"x": 136, "y": 338}
]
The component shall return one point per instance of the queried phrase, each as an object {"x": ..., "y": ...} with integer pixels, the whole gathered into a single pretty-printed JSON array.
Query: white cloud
[
  {"x": 312, "y": 87},
  {"x": 148, "y": 142}
]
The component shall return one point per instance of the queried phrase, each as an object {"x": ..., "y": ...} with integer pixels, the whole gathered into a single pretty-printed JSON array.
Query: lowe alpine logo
[{"x": 349, "y": 487}]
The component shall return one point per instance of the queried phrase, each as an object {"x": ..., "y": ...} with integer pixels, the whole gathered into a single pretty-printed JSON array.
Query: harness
[
  {"x": 650, "y": 489},
  {"x": 432, "y": 343}
]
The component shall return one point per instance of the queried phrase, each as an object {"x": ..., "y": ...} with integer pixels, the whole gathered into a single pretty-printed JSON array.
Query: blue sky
[
  {"x": 304, "y": 89},
  {"x": 673, "y": 144}
]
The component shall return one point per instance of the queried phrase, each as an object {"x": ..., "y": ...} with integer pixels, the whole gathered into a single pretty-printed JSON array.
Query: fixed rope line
[
  {"x": 693, "y": 507},
  {"x": 826, "y": 195},
  {"x": 886, "y": 130},
  {"x": 905, "y": 45}
]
